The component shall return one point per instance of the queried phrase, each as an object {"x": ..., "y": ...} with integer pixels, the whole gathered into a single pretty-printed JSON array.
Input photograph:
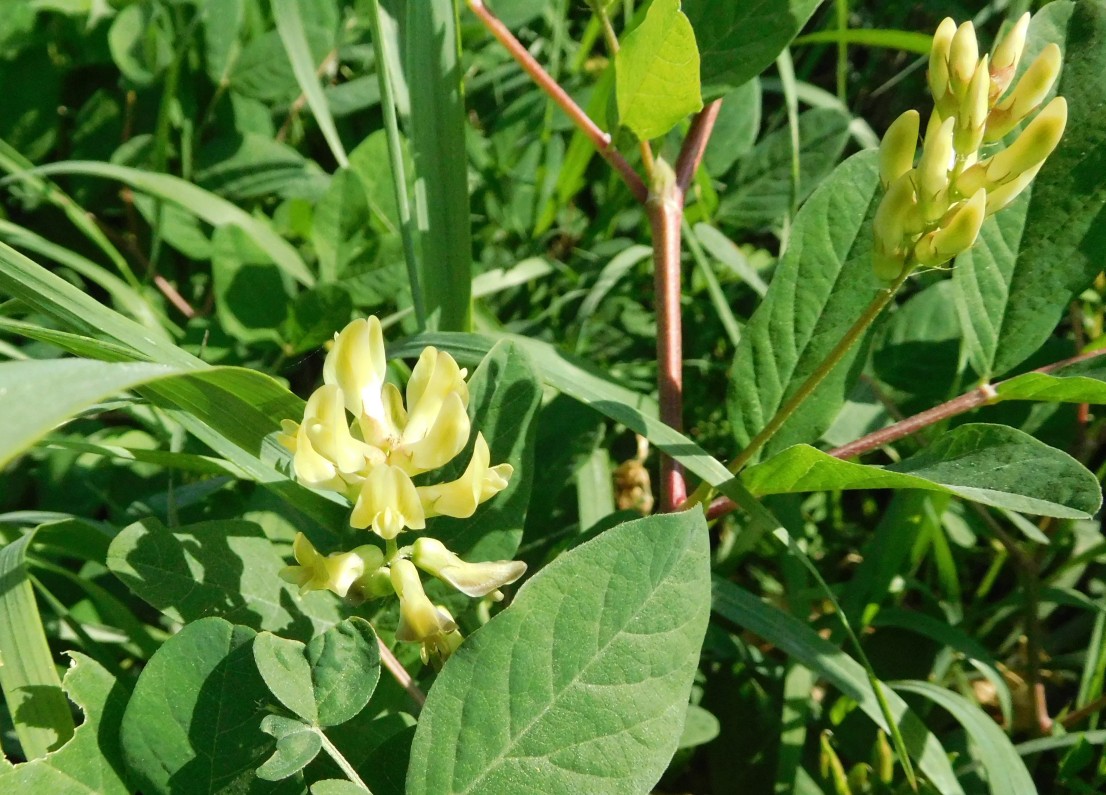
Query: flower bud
[
  {"x": 388, "y": 502},
  {"x": 971, "y": 120},
  {"x": 896, "y": 215},
  {"x": 896, "y": 150},
  {"x": 479, "y": 482},
  {"x": 420, "y": 621},
  {"x": 1035, "y": 143},
  {"x": 1004, "y": 60},
  {"x": 315, "y": 572},
  {"x": 471, "y": 579},
  {"x": 963, "y": 58},
  {"x": 999, "y": 197},
  {"x": 1030, "y": 91},
  {"x": 938, "y": 74},
  {"x": 933, "y": 170},
  {"x": 357, "y": 364},
  {"x": 958, "y": 234}
]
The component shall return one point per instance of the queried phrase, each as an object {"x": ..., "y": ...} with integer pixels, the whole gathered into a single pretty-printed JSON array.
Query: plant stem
[
  {"x": 395, "y": 158},
  {"x": 600, "y": 139},
  {"x": 784, "y": 412},
  {"x": 400, "y": 674},
  {"x": 666, "y": 212},
  {"x": 691, "y": 153},
  {"x": 979, "y": 396},
  {"x": 855, "y": 332},
  {"x": 341, "y": 761}
]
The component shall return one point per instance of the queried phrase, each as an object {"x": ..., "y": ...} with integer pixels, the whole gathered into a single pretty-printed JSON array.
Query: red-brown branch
[
  {"x": 545, "y": 81},
  {"x": 959, "y": 405}
]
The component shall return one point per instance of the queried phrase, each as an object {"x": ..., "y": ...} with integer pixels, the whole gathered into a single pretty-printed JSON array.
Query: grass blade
[
  {"x": 32, "y": 689},
  {"x": 289, "y": 25},
  {"x": 432, "y": 65}
]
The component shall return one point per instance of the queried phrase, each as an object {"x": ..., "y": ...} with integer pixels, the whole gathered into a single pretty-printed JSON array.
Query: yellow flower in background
[{"x": 933, "y": 212}]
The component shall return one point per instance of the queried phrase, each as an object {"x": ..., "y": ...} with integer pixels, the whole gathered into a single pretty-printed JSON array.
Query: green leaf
[
  {"x": 905, "y": 40},
  {"x": 822, "y": 285},
  {"x": 336, "y": 786},
  {"x": 297, "y": 745},
  {"x": 437, "y": 125},
  {"x": 289, "y": 24},
  {"x": 250, "y": 297},
  {"x": 1017, "y": 285},
  {"x": 761, "y": 194},
  {"x": 504, "y": 397},
  {"x": 737, "y": 41},
  {"x": 193, "y": 722},
  {"x": 657, "y": 72},
  {"x": 990, "y": 464},
  {"x": 801, "y": 642},
  {"x": 1080, "y": 382},
  {"x": 607, "y": 640},
  {"x": 224, "y": 567},
  {"x": 1006, "y": 772},
  {"x": 91, "y": 763},
  {"x": 288, "y": 675},
  {"x": 700, "y": 727},
  {"x": 341, "y": 231},
  {"x": 32, "y": 691},
  {"x": 345, "y": 667},
  {"x": 736, "y": 128},
  {"x": 37, "y": 395},
  {"x": 204, "y": 205}
]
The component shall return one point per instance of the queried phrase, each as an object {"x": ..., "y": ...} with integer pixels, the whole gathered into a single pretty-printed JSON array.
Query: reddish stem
[
  {"x": 892, "y": 433},
  {"x": 600, "y": 139},
  {"x": 691, "y": 154},
  {"x": 665, "y": 216}
]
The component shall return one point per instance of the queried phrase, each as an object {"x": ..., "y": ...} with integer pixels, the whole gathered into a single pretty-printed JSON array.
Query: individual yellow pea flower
[
  {"x": 938, "y": 74},
  {"x": 311, "y": 468},
  {"x": 1030, "y": 92},
  {"x": 437, "y": 426},
  {"x": 896, "y": 150},
  {"x": 956, "y": 235},
  {"x": 357, "y": 365},
  {"x": 895, "y": 218},
  {"x": 1032, "y": 147},
  {"x": 963, "y": 58},
  {"x": 971, "y": 120},
  {"x": 471, "y": 579},
  {"x": 479, "y": 482},
  {"x": 1004, "y": 60},
  {"x": 388, "y": 502},
  {"x": 334, "y": 573},
  {"x": 1008, "y": 52},
  {"x": 328, "y": 429},
  {"x": 933, "y": 170},
  {"x": 420, "y": 621}
]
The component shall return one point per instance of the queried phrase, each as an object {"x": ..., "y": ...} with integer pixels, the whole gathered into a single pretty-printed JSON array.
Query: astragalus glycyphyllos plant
[{"x": 854, "y": 551}]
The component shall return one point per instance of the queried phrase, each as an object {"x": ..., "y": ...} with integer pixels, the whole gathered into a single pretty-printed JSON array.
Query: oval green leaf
[{"x": 582, "y": 684}]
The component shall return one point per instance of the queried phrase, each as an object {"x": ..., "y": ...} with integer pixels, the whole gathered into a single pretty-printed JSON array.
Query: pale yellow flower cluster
[
  {"x": 932, "y": 212},
  {"x": 363, "y": 438}
]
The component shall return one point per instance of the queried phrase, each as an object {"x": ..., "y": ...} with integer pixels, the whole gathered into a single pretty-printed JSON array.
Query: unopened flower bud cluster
[
  {"x": 933, "y": 211},
  {"x": 363, "y": 438}
]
